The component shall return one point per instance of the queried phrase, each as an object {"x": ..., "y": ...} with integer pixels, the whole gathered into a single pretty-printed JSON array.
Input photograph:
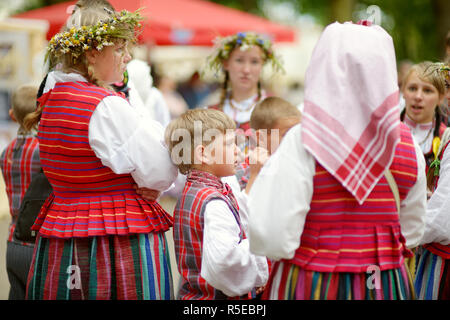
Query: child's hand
[
  {"x": 240, "y": 156},
  {"x": 256, "y": 158},
  {"x": 260, "y": 289},
  {"x": 147, "y": 194}
]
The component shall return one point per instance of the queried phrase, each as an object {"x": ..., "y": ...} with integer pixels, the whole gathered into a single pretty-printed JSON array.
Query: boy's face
[
  {"x": 272, "y": 140},
  {"x": 222, "y": 155}
]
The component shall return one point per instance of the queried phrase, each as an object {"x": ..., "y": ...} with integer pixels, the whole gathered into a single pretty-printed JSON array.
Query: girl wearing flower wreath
[
  {"x": 97, "y": 238},
  {"x": 241, "y": 57},
  {"x": 433, "y": 268}
]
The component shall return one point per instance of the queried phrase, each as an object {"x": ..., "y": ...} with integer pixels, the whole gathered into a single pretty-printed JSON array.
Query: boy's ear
[
  {"x": 200, "y": 155},
  {"x": 257, "y": 133},
  {"x": 11, "y": 115},
  {"x": 261, "y": 136}
]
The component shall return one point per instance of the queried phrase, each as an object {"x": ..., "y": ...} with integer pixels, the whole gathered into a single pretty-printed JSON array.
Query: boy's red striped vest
[
  {"x": 88, "y": 198},
  {"x": 200, "y": 188},
  {"x": 437, "y": 248},
  {"x": 19, "y": 163},
  {"x": 342, "y": 236}
]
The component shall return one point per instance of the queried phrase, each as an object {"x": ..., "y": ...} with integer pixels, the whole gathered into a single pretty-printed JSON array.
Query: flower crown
[
  {"x": 445, "y": 70},
  {"x": 78, "y": 40},
  {"x": 243, "y": 40}
]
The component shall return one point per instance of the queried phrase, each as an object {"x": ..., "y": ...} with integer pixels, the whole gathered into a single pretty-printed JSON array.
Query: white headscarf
[{"x": 351, "y": 118}]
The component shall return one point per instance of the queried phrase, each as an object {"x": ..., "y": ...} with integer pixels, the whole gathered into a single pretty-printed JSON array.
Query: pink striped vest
[
  {"x": 200, "y": 188},
  {"x": 88, "y": 198},
  {"x": 342, "y": 236},
  {"x": 437, "y": 248}
]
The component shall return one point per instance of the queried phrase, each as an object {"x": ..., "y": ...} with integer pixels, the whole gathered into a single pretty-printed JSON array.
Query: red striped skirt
[
  {"x": 291, "y": 282},
  {"x": 131, "y": 267}
]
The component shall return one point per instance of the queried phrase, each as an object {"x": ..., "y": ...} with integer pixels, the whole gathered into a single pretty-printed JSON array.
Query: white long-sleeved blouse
[
  {"x": 227, "y": 263},
  {"x": 125, "y": 140},
  {"x": 437, "y": 219},
  {"x": 281, "y": 194}
]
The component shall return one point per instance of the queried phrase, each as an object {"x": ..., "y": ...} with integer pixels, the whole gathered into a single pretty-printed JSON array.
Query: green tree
[
  {"x": 419, "y": 27},
  {"x": 441, "y": 10},
  {"x": 415, "y": 29}
]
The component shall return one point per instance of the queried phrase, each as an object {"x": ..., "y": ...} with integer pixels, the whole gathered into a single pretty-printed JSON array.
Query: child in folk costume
[
  {"x": 270, "y": 121},
  {"x": 98, "y": 239},
  {"x": 324, "y": 204},
  {"x": 211, "y": 248},
  {"x": 19, "y": 163},
  {"x": 424, "y": 91},
  {"x": 433, "y": 269},
  {"x": 241, "y": 58}
]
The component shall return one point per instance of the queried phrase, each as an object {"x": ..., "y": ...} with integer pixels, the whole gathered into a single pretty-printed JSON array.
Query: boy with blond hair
[
  {"x": 19, "y": 163},
  {"x": 270, "y": 121},
  {"x": 211, "y": 247}
]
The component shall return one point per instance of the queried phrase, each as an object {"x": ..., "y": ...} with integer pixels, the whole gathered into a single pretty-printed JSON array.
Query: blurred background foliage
[{"x": 418, "y": 27}]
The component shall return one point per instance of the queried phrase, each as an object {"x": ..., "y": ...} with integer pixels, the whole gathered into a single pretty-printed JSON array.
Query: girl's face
[
  {"x": 421, "y": 99},
  {"x": 110, "y": 63},
  {"x": 244, "y": 68}
]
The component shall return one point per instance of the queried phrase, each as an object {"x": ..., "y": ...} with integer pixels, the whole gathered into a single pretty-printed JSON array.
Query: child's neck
[
  {"x": 204, "y": 168},
  {"x": 239, "y": 96}
]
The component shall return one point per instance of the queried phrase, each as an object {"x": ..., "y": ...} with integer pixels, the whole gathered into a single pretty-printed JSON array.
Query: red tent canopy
[{"x": 176, "y": 22}]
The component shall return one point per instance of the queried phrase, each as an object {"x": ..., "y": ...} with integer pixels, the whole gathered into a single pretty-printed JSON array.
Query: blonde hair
[
  {"x": 68, "y": 48},
  {"x": 267, "y": 112},
  {"x": 85, "y": 13},
  {"x": 81, "y": 16},
  {"x": 185, "y": 127},
  {"x": 93, "y": 3},
  {"x": 429, "y": 72},
  {"x": 23, "y": 102}
]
